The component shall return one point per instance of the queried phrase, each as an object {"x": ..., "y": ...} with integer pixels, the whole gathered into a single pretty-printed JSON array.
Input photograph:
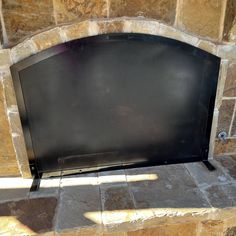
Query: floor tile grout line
[
  {"x": 101, "y": 200},
  {"x": 100, "y": 197},
  {"x": 56, "y": 217},
  {"x": 198, "y": 187},
  {"x": 232, "y": 120},
  {"x": 130, "y": 190},
  {"x": 223, "y": 170}
]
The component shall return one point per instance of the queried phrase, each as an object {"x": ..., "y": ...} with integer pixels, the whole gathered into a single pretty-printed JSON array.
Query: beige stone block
[
  {"x": 34, "y": 215},
  {"x": 9, "y": 170},
  {"x": 225, "y": 116},
  {"x": 8, "y": 160},
  {"x": 173, "y": 33},
  {"x": 213, "y": 133},
  {"x": 233, "y": 129},
  {"x": 19, "y": 144},
  {"x": 9, "y": 89},
  {"x": 6, "y": 146},
  {"x": 141, "y": 26},
  {"x": 201, "y": 17},
  {"x": 87, "y": 231},
  {"x": 221, "y": 82},
  {"x": 228, "y": 163},
  {"x": 115, "y": 234},
  {"x": 76, "y": 30},
  {"x": 48, "y": 234},
  {"x": 5, "y": 58},
  {"x": 110, "y": 26},
  {"x": 211, "y": 227},
  {"x": 24, "y": 17},
  {"x": 227, "y": 52},
  {"x": 230, "y": 83},
  {"x": 230, "y": 232},
  {"x": 162, "y": 10},
  {"x": 225, "y": 148},
  {"x": 207, "y": 46},
  {"x": 47, "y": 39},
  {"x": 189, "y": 229},
  {"x": 230, "y": 221},
  {"x": 232, "y": 33},
  {"x": 71, "y": 10},
  {"x": 229, "y": 23},
  {"x": 23, "y": 50}
]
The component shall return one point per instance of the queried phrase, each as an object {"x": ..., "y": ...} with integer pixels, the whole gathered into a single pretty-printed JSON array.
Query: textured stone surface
[
  {"x": 203, "y": 177},
  {"x": 117, "y": 203},
  {"x": 32, "y": 216},
  {"x": 170, "y": 32},
  {"x": 207, "y": 46},
  {"x": 233, "y": 131},
  {"x": 141, "y": 26},
  {"x": 5, "y": 57},
  {"x": 7, "y": 160},
  {"x": 168, "y": 230},
  {"x": 227, "y": 52},
  {"x": 230, "y": 83},
  {"x": 79, "y": 197},
  {"x": 68, "y": 10},
  {"x": 10, "y": 96},
  {"x": 79, "y": 232},
  {"x": 115, "y": 26},
  {"x": 229, "y": 164},
  {"x": 230, "y": 231},
  {"x": 221, "y": 195},
  {"x": 221, "y": 83},
  {"x": 6, "y": 147},
  {"x": 201, "y": 17},
  {"x": 172, "y": 181},
  {"x": 232, "y": 33},
  {"x": 47, "y": 39},
  {"x": 9, "y": 170},
  {"x": 225, "y": 116},
  {"x": 22, "y": 17},
  {"x": 211, "y": 227},
  {"x": 224, "y": 148},
  {"x": 78, "y": 30},
  {"x": 14, "y": 189},
  {"x": 157, "y": 9},
  {"x": 19, "y": 143},
  {"x": 229, "y": 19},
  {"x": 48, "y": 187},
  {"x": 23, "y": 50}
]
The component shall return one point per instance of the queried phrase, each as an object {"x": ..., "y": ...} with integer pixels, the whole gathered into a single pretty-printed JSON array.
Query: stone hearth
[{"x": 183, "y": 199}]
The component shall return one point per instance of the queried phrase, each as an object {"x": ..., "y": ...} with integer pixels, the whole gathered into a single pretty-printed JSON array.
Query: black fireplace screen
[{"x": 116, "y": 100}]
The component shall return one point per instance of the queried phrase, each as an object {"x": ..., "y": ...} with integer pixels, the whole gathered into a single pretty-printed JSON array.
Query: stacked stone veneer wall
[
  {"x": 33, "y": 26},
  {"x": 214, "y": 19}
]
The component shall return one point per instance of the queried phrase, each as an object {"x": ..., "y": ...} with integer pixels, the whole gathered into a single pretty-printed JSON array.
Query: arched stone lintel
[{"x": 86, "y": 28}]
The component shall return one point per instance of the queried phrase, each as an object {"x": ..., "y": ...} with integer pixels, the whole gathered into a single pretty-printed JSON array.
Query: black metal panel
[{"x": 116, "y": 100}]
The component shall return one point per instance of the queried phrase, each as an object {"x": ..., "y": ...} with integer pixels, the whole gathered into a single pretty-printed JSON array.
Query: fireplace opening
[{"x": 116, "y": 101}]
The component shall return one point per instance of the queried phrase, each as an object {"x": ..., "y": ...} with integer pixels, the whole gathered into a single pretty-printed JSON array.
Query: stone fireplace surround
[{"x": 13, "y": 157}]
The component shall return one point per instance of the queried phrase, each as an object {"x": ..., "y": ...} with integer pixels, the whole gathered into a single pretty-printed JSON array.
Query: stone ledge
[{"x": 144, "y": 201}]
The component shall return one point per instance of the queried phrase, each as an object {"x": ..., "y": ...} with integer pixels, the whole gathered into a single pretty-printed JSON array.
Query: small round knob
[{"x": 222, "y": 135}]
